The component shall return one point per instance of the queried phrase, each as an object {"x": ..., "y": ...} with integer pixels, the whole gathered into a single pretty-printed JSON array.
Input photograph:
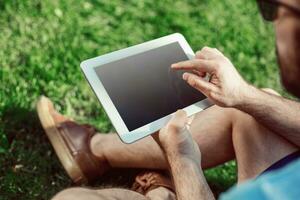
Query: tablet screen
[{"x": 144, "y": 88}]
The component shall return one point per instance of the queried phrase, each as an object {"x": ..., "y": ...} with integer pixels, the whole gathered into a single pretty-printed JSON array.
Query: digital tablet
[{"x": 138, "y": 89}]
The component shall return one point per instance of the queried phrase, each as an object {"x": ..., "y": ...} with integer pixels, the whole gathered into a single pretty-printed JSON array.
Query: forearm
[
  {"x": 189, "y": 180},
  {"x": 278, "y": 114}
]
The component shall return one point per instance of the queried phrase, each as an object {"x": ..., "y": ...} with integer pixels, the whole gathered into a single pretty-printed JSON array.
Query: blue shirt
[{"x": 282, "y": 184}]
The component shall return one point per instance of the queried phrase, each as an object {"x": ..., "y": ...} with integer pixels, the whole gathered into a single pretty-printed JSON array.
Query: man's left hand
[{"x": 176, "y": 140}]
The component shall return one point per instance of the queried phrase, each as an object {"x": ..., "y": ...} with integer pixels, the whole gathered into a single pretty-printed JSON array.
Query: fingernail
[
  {"x": 176, "y": 113},
  {"x": 173, "y": 65},
  {"x": 185, "y": 76}
]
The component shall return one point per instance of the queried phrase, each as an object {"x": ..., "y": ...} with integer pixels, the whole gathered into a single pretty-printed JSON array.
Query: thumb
[
  {"x": 179, "y": 119},
  {"x": 177, "y": 122}
]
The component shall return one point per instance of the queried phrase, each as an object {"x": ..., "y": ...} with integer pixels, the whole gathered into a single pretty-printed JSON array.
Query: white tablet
[{"x": 138, "y": 89}]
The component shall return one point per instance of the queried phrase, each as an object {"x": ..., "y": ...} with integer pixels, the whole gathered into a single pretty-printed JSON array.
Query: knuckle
[
  {"x": 173, "y": 127},
  {"x": 198, "y": 52},
  {"x": 206, "y": 48},
  {"x": 218, "y": 72},
  {"x": 192, "y": 82},
  {"x": 199, "y": 55}
]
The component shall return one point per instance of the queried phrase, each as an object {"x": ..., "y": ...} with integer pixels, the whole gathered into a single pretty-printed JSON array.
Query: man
[{"x": 258, "y": 128}]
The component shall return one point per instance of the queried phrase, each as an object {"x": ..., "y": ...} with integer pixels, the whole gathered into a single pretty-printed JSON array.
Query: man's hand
[
  {"x": 184, "y": 159},
  {"x": 176, "y": 140},
  {"x": 225, "y": 88}
]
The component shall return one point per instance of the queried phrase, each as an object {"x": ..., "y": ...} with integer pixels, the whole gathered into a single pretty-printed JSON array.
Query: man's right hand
[{"x": 225, "y": 87}]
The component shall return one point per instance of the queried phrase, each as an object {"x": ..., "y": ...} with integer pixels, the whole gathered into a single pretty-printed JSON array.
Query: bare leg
[
  {"x": 210, "y": 128},
  {"x": 159, "y": 193},
  {"x": 256, "y": 147},
  {"x": 221, "y": 133},
  {"x": 104, "y": 194}
]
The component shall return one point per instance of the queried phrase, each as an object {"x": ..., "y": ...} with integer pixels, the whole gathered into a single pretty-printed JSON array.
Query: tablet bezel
[{"x": 125, "y": 135}]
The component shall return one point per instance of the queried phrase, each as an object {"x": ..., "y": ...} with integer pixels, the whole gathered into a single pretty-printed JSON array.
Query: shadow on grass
[{"x": 30, "y": 168}]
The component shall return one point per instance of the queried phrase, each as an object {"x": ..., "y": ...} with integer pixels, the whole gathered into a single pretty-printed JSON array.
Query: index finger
[{"x": 196, "y": 64}]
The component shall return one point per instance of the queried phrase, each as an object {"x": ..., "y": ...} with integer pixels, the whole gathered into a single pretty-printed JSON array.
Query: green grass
[{"x": 43, "y": 42}]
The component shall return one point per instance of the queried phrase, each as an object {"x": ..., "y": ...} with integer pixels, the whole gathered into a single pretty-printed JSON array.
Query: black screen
[{"x": 144, "y": 88}]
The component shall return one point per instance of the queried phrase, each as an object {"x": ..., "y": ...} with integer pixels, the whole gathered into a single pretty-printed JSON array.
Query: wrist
[
  {"x": 246, "y": 96},
  {"x": 184, "y": 160}
]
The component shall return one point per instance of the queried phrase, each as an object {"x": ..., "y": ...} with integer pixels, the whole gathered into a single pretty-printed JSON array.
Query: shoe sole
[{"x": 58, "y": 143}]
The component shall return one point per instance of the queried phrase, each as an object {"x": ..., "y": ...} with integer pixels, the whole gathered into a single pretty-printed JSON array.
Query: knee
[
  {"x": 70, "y": 194},
  {"x": 271, "y": 91},
  {"x": 242, "y": 122}
]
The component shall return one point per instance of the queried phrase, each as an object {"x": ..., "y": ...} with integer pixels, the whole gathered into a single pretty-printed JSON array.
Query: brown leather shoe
[{"x": 71, "y": 143}]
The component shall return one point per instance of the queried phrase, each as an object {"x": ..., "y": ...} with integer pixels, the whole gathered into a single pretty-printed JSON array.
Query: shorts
[{"x": 283, "y": 162}]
